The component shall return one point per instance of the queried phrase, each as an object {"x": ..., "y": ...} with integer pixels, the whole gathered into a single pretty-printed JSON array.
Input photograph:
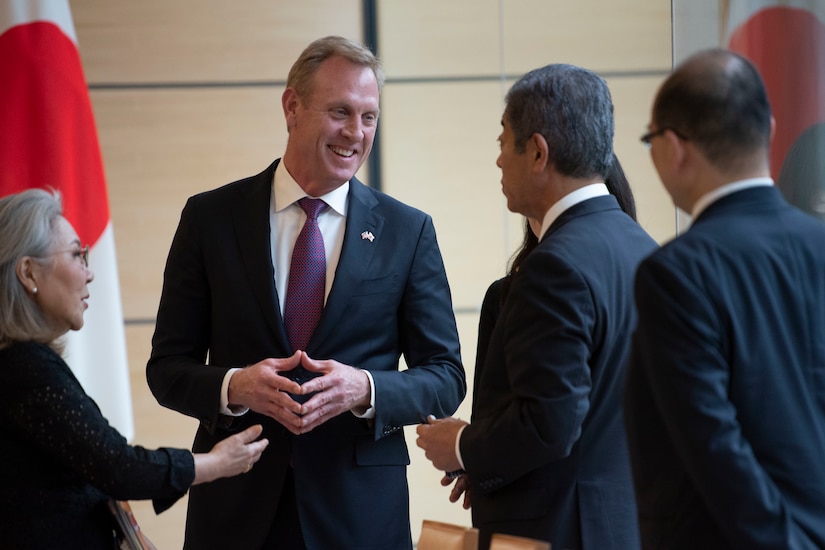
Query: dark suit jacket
[
  {"x": 546, "y": 451},
  {"x": 61, "y": 461},
  {"x": 726, "y": 385},
  {"x": 490, "y": 310},
  {"x": 390, "y": 297}
]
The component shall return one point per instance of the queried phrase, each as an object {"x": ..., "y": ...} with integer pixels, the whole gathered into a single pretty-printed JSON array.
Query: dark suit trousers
[{"x": 286, "y": 527}]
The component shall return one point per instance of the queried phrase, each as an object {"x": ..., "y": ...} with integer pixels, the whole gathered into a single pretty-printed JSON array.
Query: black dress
[{"x": 61, "y": 461}]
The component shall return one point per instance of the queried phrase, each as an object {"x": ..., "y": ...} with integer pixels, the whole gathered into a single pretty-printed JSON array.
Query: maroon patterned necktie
[{"x": 307, "y": 278}]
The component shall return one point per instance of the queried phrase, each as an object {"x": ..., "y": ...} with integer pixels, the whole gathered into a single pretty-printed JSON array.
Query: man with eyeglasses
[{"x": 725, "y": 395}]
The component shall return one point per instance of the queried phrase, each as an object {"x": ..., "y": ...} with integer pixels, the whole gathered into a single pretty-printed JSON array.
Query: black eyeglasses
[
  {"x": 646, "y": 139},
  {"x": 82, "y": 253}
]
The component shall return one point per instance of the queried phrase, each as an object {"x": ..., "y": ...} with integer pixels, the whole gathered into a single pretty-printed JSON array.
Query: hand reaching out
[{"x": 232, "y": 456}]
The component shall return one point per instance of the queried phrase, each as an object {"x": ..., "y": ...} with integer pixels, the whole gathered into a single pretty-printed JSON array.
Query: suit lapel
[
  {"x": 356, "y": 253},
  {"x": 250, "y": 217}
]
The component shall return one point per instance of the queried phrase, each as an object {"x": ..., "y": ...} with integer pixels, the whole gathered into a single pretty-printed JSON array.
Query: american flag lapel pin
[{"x": 367, "y": 235}]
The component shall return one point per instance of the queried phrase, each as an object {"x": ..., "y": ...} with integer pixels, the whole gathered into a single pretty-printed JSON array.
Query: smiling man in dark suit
[
  {"x": 545, "y": 455},
  {"x": 725, "y": 399},
  {"x": 244, "y": 337}
]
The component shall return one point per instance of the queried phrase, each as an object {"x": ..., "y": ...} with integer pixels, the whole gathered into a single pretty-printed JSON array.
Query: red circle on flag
[
  {"x": 787, "y": 46},
  {"x": 47, "y": 129}
]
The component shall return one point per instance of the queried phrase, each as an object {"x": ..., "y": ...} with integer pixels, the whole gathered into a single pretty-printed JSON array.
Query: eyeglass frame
[
  {"x": 646, "y": 138},
  {"x": 83, "y": 251}
]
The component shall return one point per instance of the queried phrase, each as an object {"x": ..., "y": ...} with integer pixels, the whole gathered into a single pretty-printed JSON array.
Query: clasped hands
[{"x": 262, "y": 388}]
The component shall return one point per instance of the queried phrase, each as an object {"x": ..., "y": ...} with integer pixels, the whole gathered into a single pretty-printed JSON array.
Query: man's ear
[
  {"x": 26, "y": 273},
  {"x": 290, "y": 102},
  {"x": 539, "y": 152},
  {"x": 675, "y": 152}
]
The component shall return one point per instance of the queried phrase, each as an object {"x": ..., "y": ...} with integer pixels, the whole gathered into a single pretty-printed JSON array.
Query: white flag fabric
[{"x": 48, "y": 139}]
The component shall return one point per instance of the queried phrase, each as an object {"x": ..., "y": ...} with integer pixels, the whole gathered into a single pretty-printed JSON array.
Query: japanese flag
[
  {"x": 48, "y": 139},
  {"x": 785, "y": 40}
]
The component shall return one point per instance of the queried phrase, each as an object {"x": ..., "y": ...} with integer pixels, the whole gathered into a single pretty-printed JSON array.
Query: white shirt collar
[
  {"x": 571, "y": 199},
  {"x": 286, "y": 191},
  {"x": 709, "y": 198}
]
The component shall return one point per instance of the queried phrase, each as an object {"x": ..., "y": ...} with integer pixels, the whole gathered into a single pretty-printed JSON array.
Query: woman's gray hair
[{"x": 27, "y": 221}]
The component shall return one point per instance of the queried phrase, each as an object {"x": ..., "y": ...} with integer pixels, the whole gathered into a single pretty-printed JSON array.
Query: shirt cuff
[
  {"x": 225, "y": 409},
  {"x": 370, "y": 412},
  {"x": 458, "y": 447}
]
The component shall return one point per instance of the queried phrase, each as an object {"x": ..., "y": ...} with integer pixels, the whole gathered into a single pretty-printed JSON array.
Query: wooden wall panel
[
  {"x": 432, "y": 38},
  {"x": 161, "y": 146},
  {"x": 602, "y": 35},
  {"x": 632, "y": 101},
  {"x": 428, "y": 499},
  {"x": 192, "y": 40},
  {"x": 156, "y": 426},
  {"x": 439, "y": 146}
]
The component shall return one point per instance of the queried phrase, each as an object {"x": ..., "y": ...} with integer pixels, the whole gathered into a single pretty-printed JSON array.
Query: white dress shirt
[
  {"x": 709, "y": 198},
  {"x": 571, "y": 199},
  {"x": 286, "y": 218}
]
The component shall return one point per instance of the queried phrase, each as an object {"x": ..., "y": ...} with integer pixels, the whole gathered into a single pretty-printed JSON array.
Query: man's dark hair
[
  {"x": 717, "y": 100},
  {"x": 572, "y": 109}
]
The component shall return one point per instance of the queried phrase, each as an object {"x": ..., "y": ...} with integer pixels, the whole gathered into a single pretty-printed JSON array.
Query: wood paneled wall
[{"x": 186, "y": 96}]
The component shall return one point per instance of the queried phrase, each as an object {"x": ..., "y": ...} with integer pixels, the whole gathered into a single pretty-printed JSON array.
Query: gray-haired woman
[{"x": 61, "y": 461}]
